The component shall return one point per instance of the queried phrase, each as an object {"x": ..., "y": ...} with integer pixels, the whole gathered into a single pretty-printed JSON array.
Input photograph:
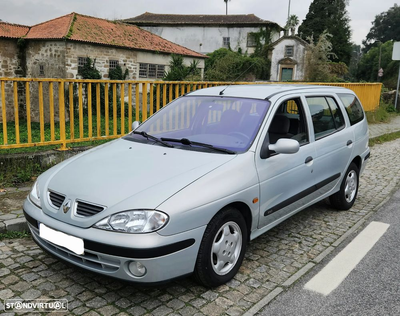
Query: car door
[
  {"x": 333, "y": 141},
  {"x": 286, "y": 180}
]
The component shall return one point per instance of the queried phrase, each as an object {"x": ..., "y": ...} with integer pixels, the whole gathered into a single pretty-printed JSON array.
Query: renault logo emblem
[{"x": 67, "y": 206}]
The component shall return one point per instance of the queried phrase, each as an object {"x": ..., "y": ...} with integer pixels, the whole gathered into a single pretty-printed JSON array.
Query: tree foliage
[
  {"x": 118, "y": 74},
  {"x": 385, "y": 27},
  {"x": 319, "y": 68},
  {"x": 178, "y": 71},
  {"x": 369, "y": 65},
  {"x": 330, "y": 16},
  {"x": 227, "y": 65}
]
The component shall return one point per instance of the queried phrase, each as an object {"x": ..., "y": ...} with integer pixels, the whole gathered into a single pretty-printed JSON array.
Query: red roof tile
[
  {"x": 53, "y": 29},
  {"x": 12, "y": 30},
  {"x": 82, "y": 28}
]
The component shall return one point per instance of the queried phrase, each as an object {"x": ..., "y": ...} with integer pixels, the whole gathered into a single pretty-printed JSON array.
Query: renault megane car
[{"x": 185, "y": 191}]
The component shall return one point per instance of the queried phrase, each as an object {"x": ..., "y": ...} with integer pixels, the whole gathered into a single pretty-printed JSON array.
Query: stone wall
[
  {"x": 127, "y": 58},
  {"x": 9, "y": 67},
  {"x": 45, "y": 59}
]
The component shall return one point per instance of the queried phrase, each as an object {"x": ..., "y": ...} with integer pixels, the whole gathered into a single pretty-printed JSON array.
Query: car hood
[{"x": 127, "y": 175}]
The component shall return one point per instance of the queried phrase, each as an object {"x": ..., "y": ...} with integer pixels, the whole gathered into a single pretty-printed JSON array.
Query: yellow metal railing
[{"x": 38, "y": 112}]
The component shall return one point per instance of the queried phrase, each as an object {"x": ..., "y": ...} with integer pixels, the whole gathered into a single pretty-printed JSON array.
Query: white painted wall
[
  {"x": 279, "y": 53},
  {"x": 204, "y": 39}
]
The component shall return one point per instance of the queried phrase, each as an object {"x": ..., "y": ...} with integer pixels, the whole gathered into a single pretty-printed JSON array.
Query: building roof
[
  {"x": 9, "y": 30},
  {"x": 149, "y": 18},
  {"x": 82, "y": 28}
]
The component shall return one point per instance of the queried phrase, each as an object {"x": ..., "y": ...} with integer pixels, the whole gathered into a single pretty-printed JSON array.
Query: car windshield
[{"x": 222, "y": 122}]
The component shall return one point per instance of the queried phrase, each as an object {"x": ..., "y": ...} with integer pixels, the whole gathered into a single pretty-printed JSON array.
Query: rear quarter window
[{"x": 353, "y": 107}]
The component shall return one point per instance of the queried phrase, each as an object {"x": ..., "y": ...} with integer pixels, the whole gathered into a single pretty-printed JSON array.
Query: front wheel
[
  {"x": 345, "y": 198},
  {"x": 222, "y": 248}
]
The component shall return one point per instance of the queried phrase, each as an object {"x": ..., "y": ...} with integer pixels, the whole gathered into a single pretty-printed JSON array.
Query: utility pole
[{"x": 380, "y": 72}]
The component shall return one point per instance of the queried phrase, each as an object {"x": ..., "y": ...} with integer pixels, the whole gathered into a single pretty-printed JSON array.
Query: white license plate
[{"x": 72, "y": 243}]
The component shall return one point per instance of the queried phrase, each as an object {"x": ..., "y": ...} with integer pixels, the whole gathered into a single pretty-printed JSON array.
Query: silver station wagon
[{"x": 186, "y": 190}]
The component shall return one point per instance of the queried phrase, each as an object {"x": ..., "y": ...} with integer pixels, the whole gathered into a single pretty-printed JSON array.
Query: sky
[{"x": 31, "y": 12}]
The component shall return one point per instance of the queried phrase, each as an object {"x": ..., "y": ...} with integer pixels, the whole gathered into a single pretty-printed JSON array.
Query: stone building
[
  {"x": 288, "y": 56},
  {"x": 59, "y": 47},
  {"x": 207, "y": 33},
  {"x": 10, "y": 63}
]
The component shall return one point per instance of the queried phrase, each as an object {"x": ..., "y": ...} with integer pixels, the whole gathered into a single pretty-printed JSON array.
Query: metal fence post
[{"x": 62, "y": 115}]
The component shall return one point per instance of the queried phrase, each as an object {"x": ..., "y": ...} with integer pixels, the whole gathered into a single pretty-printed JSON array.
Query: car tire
[
  {"x": 345, "y": 197},
  {"x": 222, "y": 248}
]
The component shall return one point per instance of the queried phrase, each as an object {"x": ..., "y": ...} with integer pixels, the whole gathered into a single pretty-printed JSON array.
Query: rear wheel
[
  {"x": 346, "y": 196},
  {"x": 222, "y": 248}
]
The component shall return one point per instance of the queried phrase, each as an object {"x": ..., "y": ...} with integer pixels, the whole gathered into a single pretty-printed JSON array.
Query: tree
[
  {"x": 318, "y": 66},
  {"x": 369, "y": 65},
  {"x": 227, "y": 65},
  {"x": 385, "y": 27},
  {"x": 292, "y": 23},
  {"x": 330, "y": 16},
  {"x": 178, "y": 71}
]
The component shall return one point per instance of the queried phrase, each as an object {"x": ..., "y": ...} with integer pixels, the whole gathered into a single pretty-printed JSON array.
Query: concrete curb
[{"x": 16, "y": 225}]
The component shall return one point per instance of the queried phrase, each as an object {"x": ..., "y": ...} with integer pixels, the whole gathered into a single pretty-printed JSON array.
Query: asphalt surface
[{"x": 372, "y": 288}]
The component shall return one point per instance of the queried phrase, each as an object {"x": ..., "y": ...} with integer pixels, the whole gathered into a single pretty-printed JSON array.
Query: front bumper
[{"x": 110, "y": 253}]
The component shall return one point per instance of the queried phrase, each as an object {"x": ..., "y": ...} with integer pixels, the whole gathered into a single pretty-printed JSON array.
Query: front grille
[
  {"x": 56, "y": 199},
  {"x": 94, "y": 261},
  {"x": 86, "y": 209}
]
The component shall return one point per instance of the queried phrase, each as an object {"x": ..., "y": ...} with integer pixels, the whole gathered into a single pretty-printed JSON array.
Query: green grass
[
  {"x": 382, "y": 114},
  {"x": 384, "y": 138},
  {"x": 14, "y": 235}
]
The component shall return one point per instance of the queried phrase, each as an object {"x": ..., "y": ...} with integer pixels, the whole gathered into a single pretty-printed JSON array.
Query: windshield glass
[{"x": 230, "y": 123}]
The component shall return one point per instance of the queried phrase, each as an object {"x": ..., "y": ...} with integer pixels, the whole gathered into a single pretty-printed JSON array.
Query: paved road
[
  {"x": 273, "y": 262},
  {"x": 371, "y": 288}
]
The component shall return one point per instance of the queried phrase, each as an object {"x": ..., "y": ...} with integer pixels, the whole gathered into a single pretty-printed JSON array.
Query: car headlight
[
  {"x": 134, "y": 222},
  {"x": 34, "y": 195}
]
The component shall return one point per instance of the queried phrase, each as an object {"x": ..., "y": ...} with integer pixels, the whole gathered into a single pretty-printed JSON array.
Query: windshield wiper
[
  {"x": 188, "y": 142},
  {"x": 144, "y": 134}
]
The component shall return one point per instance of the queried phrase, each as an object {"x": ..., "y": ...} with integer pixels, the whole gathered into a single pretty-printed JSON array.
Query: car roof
[{"x": 262, "y": 91}]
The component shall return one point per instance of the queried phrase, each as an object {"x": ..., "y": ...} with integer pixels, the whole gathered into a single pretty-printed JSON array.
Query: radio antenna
[{"x": 231, "y": 83}]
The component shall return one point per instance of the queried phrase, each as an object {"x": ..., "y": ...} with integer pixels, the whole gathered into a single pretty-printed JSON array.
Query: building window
[
  {"x": 251, "y": 40},
  {"x": 81, "y": 63},
  {"x": 113, "y": 64},
  {"x": 289, "y": 51},
  {"x": 226, "y": 42},
  {"x": 41, "y": 70},
  {"x": 151, "y": 71}
]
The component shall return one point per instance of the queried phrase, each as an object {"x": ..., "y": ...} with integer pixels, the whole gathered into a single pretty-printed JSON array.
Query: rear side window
[
  {"x": 321, "y": 115},
  {"x": 353, "y": 107},
  {"x": 336, "y": 112}
]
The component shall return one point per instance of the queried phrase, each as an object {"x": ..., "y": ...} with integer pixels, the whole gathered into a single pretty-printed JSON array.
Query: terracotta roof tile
[
  {"x": 12, "y": 30},
  {"x": 192, "y": 19},
  {"x": 99, "y": 31},
  {"x": 53, "y": 29}
]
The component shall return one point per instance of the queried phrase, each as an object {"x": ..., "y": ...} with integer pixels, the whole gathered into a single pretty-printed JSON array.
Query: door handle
[
  {"x": 308, "y": 159},
  {"x": 349, "y": 142}
]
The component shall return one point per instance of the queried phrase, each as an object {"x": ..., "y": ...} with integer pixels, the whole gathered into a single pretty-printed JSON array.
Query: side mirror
[
  {"x": 282, "y": 146},
  {"x": 285, "y": 146},
  {"x": 135, "y": 125}
]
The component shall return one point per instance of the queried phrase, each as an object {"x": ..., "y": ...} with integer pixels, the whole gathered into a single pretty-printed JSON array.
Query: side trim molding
[{"x": 301, "y": 195}]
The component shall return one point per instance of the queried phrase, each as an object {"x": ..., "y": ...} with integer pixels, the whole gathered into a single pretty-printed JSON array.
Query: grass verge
[
  {"x": 384, "y": 138},
  {"x": 14, "y": 235}
]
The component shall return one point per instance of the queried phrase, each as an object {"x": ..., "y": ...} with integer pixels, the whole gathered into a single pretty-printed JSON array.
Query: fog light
[{"x": 137, "y": 269}]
